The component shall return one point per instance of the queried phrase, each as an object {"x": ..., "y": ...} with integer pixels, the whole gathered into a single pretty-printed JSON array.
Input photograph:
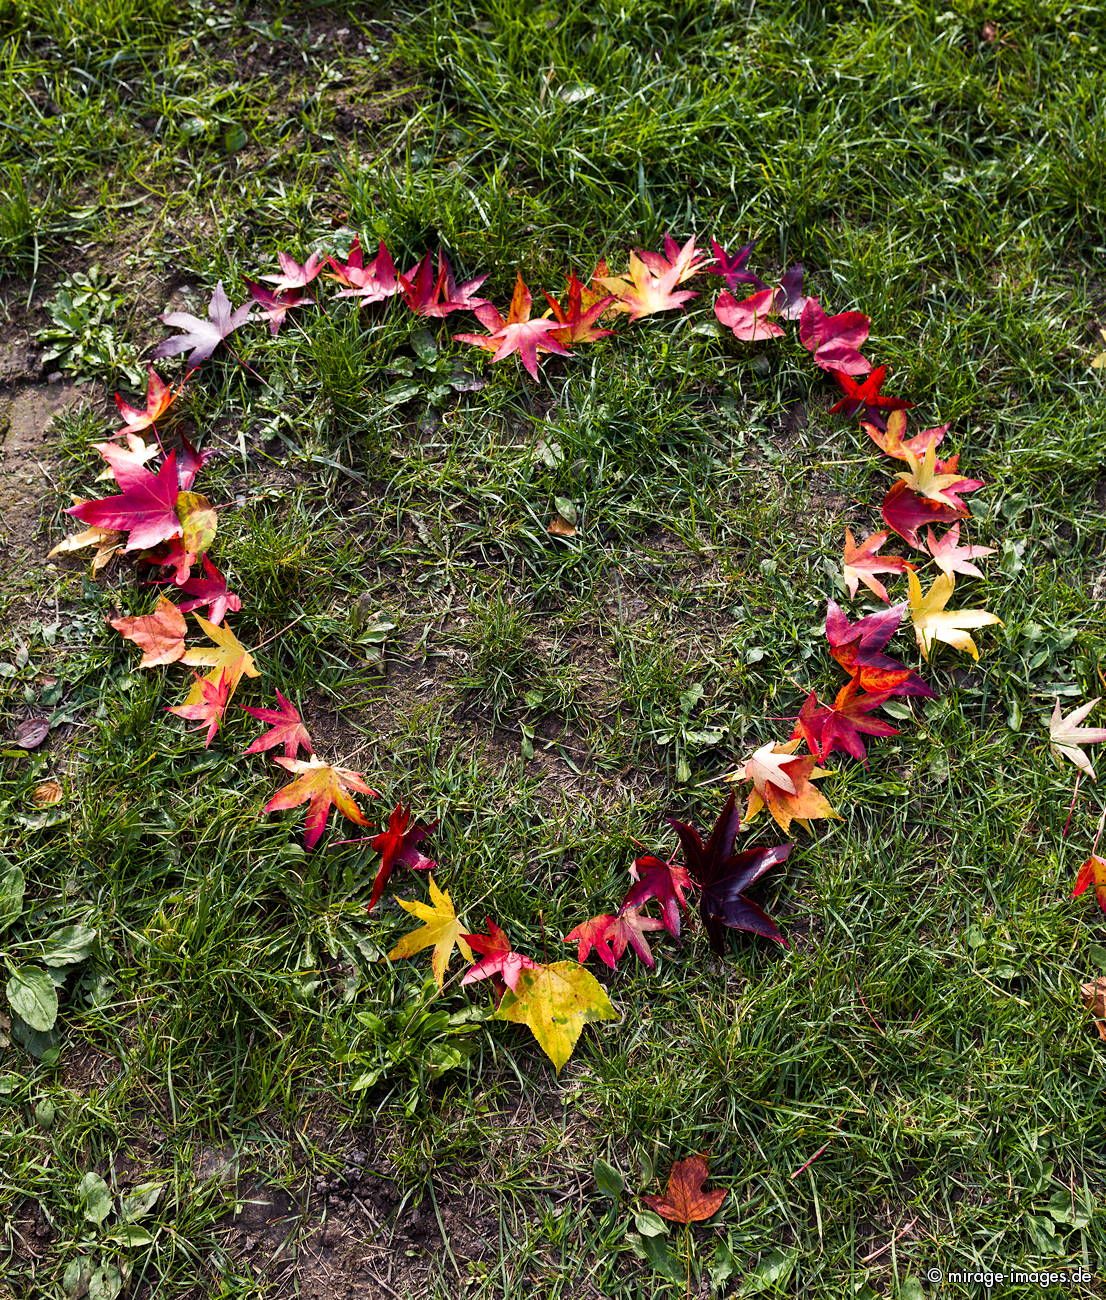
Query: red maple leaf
[
  {"x": 680, "y": 262},
  {"x": 858, "y": 648},
  {"x": 664, "y": 881},
  {"x": 732, "y": 267},
  {"x": 905, "y": 512},
  {"x": 842, "y": 725},
  {"x": 609, "y": 936},
  {"x": 427, "y": 295},
  {"x": 374, "y": 282},
  {"x": 865, "y": 396},
  {"x": 276, "y": 305},
  {"x": 835, "y": 340},
  {"x": 286, "y": 728},
  {"x": 210, "y": 591},
  {"x": 498, "y": 961},
  {"x": 518, "y": 333},
  {"x": 398, "y": 846},
  {"x": 209, "y": 708},
  {"x": 159, "y": 397},
  {"x": 292, "y": 274},
  {"x": 861, "y": 562},
  {"x": 751, "y": 318},
  {"x": 577, "y": 321},
  {"x": 145, "y": 510}
]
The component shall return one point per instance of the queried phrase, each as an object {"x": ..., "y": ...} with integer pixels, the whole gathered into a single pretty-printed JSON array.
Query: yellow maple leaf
[
  {"x": 441, "y": 930},
  {"x": 228, "y": 655},
  {"x": 1100, "y": 361},
  {"x": 106, "y": 542},
  {"x": 555, "y": 1002},
  {"x": 932, "y": 622}
]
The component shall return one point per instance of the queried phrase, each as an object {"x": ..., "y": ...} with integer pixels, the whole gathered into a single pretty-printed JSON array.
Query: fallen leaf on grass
[
  {"x": 209, "y": 708},
  {"x": 159, "y": 397},
  {"x": 31, "y": 732},
  {"x": 146, "y": 509},
  {"x": 498, "y": 960},
  {"x": 905, "y": 512},
  {"x": 937, "y": 480},
  {"x": 441, "y": 930},
  {"x": 398, "y": 846},
  {"x": 160, "y": 635},
  {"x": 731, "y": 266},
  {"x": 933, "y": 622},
  {"x": 276, "y": 306},
  {"x": 429, "y": 295},
  {"x": 555, "y": 1002},
  {"x": 226, "y": 655},
  {"x": 655, "y": 878},
  {"x": 292, "y": 274},
  {"x": 202, "y": 337},
  {"x": 47, "y": 793},
  {"x": 844, "y": 724},
  {"x": 211, "y": 592},
  {"x": 858, "y": 648},
  {"x": 641, "y": 292},
  {"x": 1092, "y": 872},
  {"x": 788, "y": 792},
  {"x": 518, "y": 333},
  {"x": 686, "y": 1200},
  {"x": 285, "y": 728},
  {"x": 866, "y": 396},
  {"x": 1094, "y": 999},
  {"x": 1065, "y": 735},
  {"x": 750, "y": 319},
  {"x": 321, "y": 786},
  {"x": 861, "y": 562},
  {"x": 892, "y": 439},
  {"x": 951, "y": 557},
  {"x": 723, "y": 876},
  {"x": 107, "y": 542},
  {"x": 609, "y": 936},
  {"x": 576, "y": 320},
  {"x": 835, "y": 341},
  {"x": 375, "y": 281},
  {"x": 1099, "y": 361}
]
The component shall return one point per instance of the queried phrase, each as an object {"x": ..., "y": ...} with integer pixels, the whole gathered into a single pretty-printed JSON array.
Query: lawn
[{"x": 913, "y": 1083}]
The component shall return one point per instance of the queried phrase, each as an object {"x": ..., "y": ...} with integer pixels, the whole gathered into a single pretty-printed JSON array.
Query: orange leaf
[
  {"x": 685, "y": 1201},
  {"x": 160, "y": 635}
]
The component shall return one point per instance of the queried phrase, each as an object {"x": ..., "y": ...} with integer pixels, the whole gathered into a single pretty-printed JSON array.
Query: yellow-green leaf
[{"x": 555, "y": 1002}]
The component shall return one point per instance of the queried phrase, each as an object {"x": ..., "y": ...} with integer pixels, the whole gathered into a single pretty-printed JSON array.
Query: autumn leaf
[
  {"x": 905, "y": 512},
  {"x": 159, "y": 397},
  {"x": 518, "y": 333},
  {"x": 861, "y": 562},
  {"x": 1094, "y": 999},
  {"x": 664, "y": 881},
  {"x": 835, "y": 341},
  {"x": 145, "y": 510},
  {"x": 285, "y": 728},
  {"x": 107, "y": 541},
  {"x": 202, "y": 337},
  {"x": 678, "y": 262},
  {"x": 321, "y": 786},
  {"x": 685, "y": 1200},
  {"x": 1099, "y": 360},
  {"x": 122, "y": 460},
  {"x": 788, "y": 299},
  {"x": 858, "y": 648},
  {"x": 724, "y": 876},
  {"x": 160, "y": 635},
  {"x": 640, "y": 292},
  {"x": 953, "y": 558},
  {"x": 844, "y": 724},
  {"x": 577, "y": 320},
  {"x": 294, "y": 276},
  {"x": 209, "y": 709},
  {"x": 866, "y": 396},
  {"x": 198, "y": 523},
  {"x": 1066, "y": 736},
  {"x": 751, "y": 318},
  {"x": 892, "y": 439},
  {"x": 1092, "y": 872},
  {"x": 398, "y": 846},
  {"x": 783, "y": 783},
  {"x": 276, "y": 306},
  {"x": 427, "y": 295},
  {"x": 555, "y": 1002},
  {"x": 209, "y": 592},
  {"x": 374, "y": 282},
  {"x": 441, "y": 930},
  {"x": 937, "y": 480},
  {"x": 498, "y": 960},
  {"x": 609, "y": 936},
  {"x": 731, "y": 267},
  {"x": 227, "y": 654},
  {"x": 933, "y": 623}
]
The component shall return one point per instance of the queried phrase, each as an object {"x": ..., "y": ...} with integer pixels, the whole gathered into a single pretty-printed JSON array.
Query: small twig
[
  {"x": 821, "y": 1150},
  {"x": 287, "y": 628}
]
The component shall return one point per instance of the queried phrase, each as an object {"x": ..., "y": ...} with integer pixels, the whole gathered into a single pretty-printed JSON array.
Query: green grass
[{"x": 551, "y": 702}]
